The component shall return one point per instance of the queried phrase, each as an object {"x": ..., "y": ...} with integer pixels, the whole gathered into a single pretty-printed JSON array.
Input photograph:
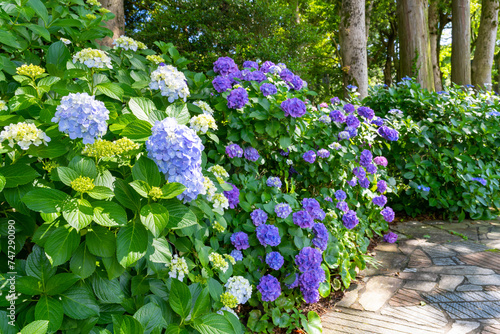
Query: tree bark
[
  {"x": 368, "y": 14},
  {"x": 116, "y": 25},
  {"x": 497, "y": 75},
  {"x": 415, "y": 49},
  {"x": 460, "y": 46},
  {"x": 353, "y": 45},
  {"x": 485, "y": 46},
  {"x": 391, "y": 38},
  {"x": 433, "y": 38}
]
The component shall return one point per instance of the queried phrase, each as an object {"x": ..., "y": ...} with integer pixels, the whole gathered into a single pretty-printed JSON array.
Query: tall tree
[
  {"x": 460, "y": 46},
  {"x": 353, "y": 45},
  {"x": 433, "y": 39},
  {"x": 485, "y": 45},
  {"x": 414, "y": 46},
  {"x": 116, "y": 25}
]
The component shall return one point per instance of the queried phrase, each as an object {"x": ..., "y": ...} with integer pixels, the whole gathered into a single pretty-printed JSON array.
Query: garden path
[{"x": 440, "y": 277}]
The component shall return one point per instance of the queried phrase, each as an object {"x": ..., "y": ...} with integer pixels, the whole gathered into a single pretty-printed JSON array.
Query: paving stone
[
  {"x": 450, "y": 282},
  {"x": 378, "y": 291},
  {"x": 436, "y": 250},
  {"x": 350, "y": 296},
  {"x": 421, "y": 315},
  {"x": 465, "y": 247},
  {"x": 494, "y": 329},
  {"x": 458, "y": 261},
  {"x": 418, "y": 276},
  {"x": 463, "y": 327},
  {"x": 469, "y": 287},
  {"x": 420, "y": 285},
  {"x": 458, "y": 270},
  {"x": 489, "y": 260},
  {"x": 443, "y": 261},
  {"x": 484, "y": 279},
  {"x": 491, "y": 288},
  {"x": 418, "y": 259},
  {"x": 353, "y": 322},
  {"x": 405, "y": 297},
  {"x": 386, "y": 247},
  {"x": 388, "y": 263}
]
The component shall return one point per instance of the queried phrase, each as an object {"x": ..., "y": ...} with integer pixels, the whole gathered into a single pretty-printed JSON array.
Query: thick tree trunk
[
  {"x": 116, "y": 25},
  {"x": 485, "y": 46},
  {"x": 388, "y": 60},
  {"x": 433, "y": 38},
  {"x": 353, "y": 45},
  {"x": 460, "y": 46},
  {"x": 368, "y": 15},
  {"x": 415, "y": 49}
]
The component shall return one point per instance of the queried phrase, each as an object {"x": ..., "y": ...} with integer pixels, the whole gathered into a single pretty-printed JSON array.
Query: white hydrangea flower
[
  {"x": 325, "y": 119},
  {"x": 171, "y": 82},
  {"x": 93, "y": 58},
  {"x": 218, "y": 171},
  {"x": 205, "y": 107},
  {"x": 3, "y": 105},
  {"x": 219, "y": 262},
  {"x": 210, "y": 188},
  {"x": 202, "y": 123},
  {"x": 220, "y": 202},
  {"x": 239, "y": 287},
  {"x": 65, "y": 41},
  {"x": 126, "y": 43},
  {"x": 289, "y": 162},
  {"x": 24, "y": 135},
  {"x": 178, "y": 268},
  {"x": 225, "y": 308}
]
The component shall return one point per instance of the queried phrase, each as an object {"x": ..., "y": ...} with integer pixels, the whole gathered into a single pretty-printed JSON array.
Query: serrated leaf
[
  {"x": 213, "y": 324},
  {"x": 179, "y": 215},
  {"x": 60, "y": 283},
  {"x": 155, "y": 217},
  {"x": 36, "y": 327},
  {"x": 109, "y": 214},
  {"x": 101, "y": 241},
  {"x": 180, "y": 298},
  {"x": 45, "y": 200},
  {"x": 83, "y": 263},
  {"x": 79, "y": 303},
  {"x": 151, "y": 318},
  {"x": 131, "y": 244},
  {"x": 61, "y": 244},
  {"x": 146, "y": 170},
  {"x": 78, "y": 213},
  {"x": 18, "y": 174},
  {"x": 48, "y": 308}
]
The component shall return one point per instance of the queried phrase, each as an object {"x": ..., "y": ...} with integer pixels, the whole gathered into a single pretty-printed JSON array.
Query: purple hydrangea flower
[
  {"x": 257, "y": 76},
  {"x": 282, "y": 210},
  {"x": 344, "y": 135},
  {"x": 323, "y": 105},
  {"x": 293, "y": 107},
  {"x": 364, "y": 182},
  {"x": 251, "y": 154},
  {"x": 328, "y": 199},
  {"x": 250, "y": 64},
  {"x": 308, "y": 259},
  {"x": 378, "y": 121},
  {"x": 82, "y": 116},
  {"x": 478, "y": 179},
  {"x": 225, "y": 66},
  {"x": 340, "y": 195},
  {"x": 269, "y": 287},
  {"x": 296, "y": 82},
  {"x": 311, "y": 296},
  {"x": 320, "y": 239},
  {"x": 234, "y": 150},
  {"x": 309, "y": 156},
  {"x": 350, "y": 219},
  {"x": 380, "y": 201},
  {"x": 381, "y": 161},
  {"x": 292, "y": 171},
  {"x": 258, "y": 217},
  {"x": 284, "y": 153},
  {"x": 303, "y": 219},
  {"x": 266, "y": 65},
  {"x": 359, "y": 172},
  {"x": 352, "y": 121},
  {"x": 388, "y": 133},
  {"x": 322, "y": 153},
  {"x": 286, "y": 75},
  {"x": 309, "y": 282},
  {"x": 176, "y": 150},
  {"x": 342, "y": 206},
  {"x": 352, "y": 182},
  {"x": 371, "y": 168},
  {"x": 274, "y": 260},
  {"x": 366, "y": 112},
  {"x": 233, "y": 196},
  {"x": 312, "y": 207},
  {"x": 391, "y": 237},
  {"x": 237, "y": 98},
  {"x": 268, "y": 89},
  {"x": 381, "y": 186},
  {"x": 237, "y": 255},
  {"x": 349, "y": 108},
  {"x": 240, "y": 240},
  {"x": 268, "y": 235},
  {"x": 274, "y": 181},
  {"x": 366, "y": 158},
  {"x": 337, "y": 116},
  {"x": 335, "y": 100},
  {"x": 221, "y": 84},
  {"x": 353, "y": 132},
  {"x": 388, "y": 214}
]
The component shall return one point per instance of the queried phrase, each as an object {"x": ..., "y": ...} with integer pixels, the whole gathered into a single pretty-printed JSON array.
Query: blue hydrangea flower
[
  {"x": 257, "y": 76},
  {"x": 266, "y": 65},
  {"x": 381, "y": 186},
  {"x": 478, "y": 179},
  {"x": 269, "y": 287},
  {"x": 388, "y": 214},
  {"x": 176, "y": 149},
  {"x": 366, "y": 158},
  {"x": 240, "y": 240},
  {"x": 328, "y": 199},
  {"x": 395, "y": 112},
  {"x": 340, "y": 195},
  {"x": 388, "y": 133},
  {"x": 335, "y": 100},
  {"x": 258, "y": 217},
  {"x": 250, "y": 64},
  {"x": 337, "y": 116},
  {"x": 391, "y": 237},
  {"x": 251, "y": 154},
  {"x": 378, "y": 121},
  {"x": 303, "y": 219},
  {"x": 353, "y": 182},
  {"x": 308, "y": 259},
  {"x": 309, "y": 156},
  {"x": 284, "y": 153},
  {"x": 311, "y": 296},
  {"x": 268, "y": 89},
  {"x": 274, "y": 260},
  {"x": 221, "y": 84},
  {"x": 296, "y": 82},
  {"x": 233, "y": 196},
  {"x": 309, "y": 282},
  {"x": 371, "y": 168},
  {"x": 322, "y": 153},
  {"x": 350, "y": 219},
  {"x": 353, "y": 132},
  {"x": 293, "y": 107},
  {"x": 286, "y": 75},
  {"x": 342, "y": 206},
  {"x": 359, "y": 172},
  {"x": 82, "y": 116},
  {"x": 312, "y": 207},
  {"x": 364, "y": 182},
  {"x": 493, "y": 113},
  {"x": 366, "y": 112},
  {"x": 225, "y": 66},
  {"x": 234, "y": 150},
  {"x": 282, "y": 210},
  {"x": 237, "y": 255},
  {"x": 349, "y": 108},
  {"x": 237, "y": 98},
  {"x": 344, "y": 135},
  {"x": 320, "y": 239},
  {"x": 325, "y": 119},
  {"x": 380, "y": 201},
  {"x": 351, "y": 87},
  {"x": 352, "y": 121},
  {"x": 268, "y": 235},
  {"x": 424, "y": 188},
  {"x": 274, "y": 181}
]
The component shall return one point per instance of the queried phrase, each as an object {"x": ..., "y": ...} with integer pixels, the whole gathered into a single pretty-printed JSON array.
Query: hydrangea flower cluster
[
  {"x": 237, "y": 98},
  {"x": 269, "y": 287},
  {"x": 178, "y": 268},
  {"x": 251, "y": 154},
  {"x": 477, "y": 179},
  {"x": 349, "y": 108},
  {"x": 366, "y": 112},
  {"x": 225, "y": 66},
  {"x": 337, "y": 116},
  {"x": 268, "y": 89},
  {"x": 274, "y": 181},
  {"x": 205, "y": 107},
  {"x": 366, "y": 158},
  {"x": 390, "y": 237},
  {"x": 320, "y": 239},
  {"x": 234, "y": 151},
  {"x": 388, "y": 133},
  {"x": 293, "y": 107},
  {"x": 155, "y": 59},
  {"x": 312, "y": 207},
  {"x": 268, "y": 235},
  {"x": 309, "y": 262},
  {"x": 218, "y": 262},
  {"x": 350, "y": 219},
  {"x": 228, "y": 300},
  {"x": 380, "y": 201},
  {"x": 176, "y": 149},
  {"x": 128, "y": 43},
  {"x": 82, "y": 184},
  {"x": 239, "y": 287},
  {"x": 282, "y": 210},
  {"x": 30, "y": 70},
  {"x": 323, "y": 153},
  {"x": 275, "y": 260},
  {"x": 388, "y": 214},
  {"x": 3, "y": 105},
  {"x": 171, "y": 83},
  {"x": 93, "y": 58},
  {"x": 342, "y": 206},
  {"x": 82, "y": 116},
  {"x": 23, "y": 134},
  {"x": 240, "y": 240},
  {"x": 303, "y": 219},
  {"x": 381, "y": 186},
  {"x": 309, "y": 156},
  {"x": 237, "y": 255},
  {"x": 325, "y": 119},
  {"x": 258, "y": 217},
  {"x": 381, "y": 161},
  {"x": 233, "y": 196},
  {"x": 202, "y": 123},
  {"x": 424, "y": 188},
  {"x": 219, "y": 172},
  {"x": 221, "y": 84}
]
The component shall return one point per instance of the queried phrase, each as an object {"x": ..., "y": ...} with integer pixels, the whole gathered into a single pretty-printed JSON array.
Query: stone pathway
[{"x": 440, "y": 277}]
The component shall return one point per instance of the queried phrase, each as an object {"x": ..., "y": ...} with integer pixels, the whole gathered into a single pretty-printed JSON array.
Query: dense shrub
[{"x": 448, "y": 158}]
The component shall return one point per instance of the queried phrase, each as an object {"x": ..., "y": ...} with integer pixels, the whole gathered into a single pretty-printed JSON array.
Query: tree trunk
[
  {"x": 116, "y": 25},
  {"x": 415, "y": 49},
  {"x": 485, "y": 46},
  {"x": 353, "y": 45},
  {"x": 433, "y": 38},
  {"x": 497, "y": 75},
  {"x": 368, "y": 14},
  {"x": 460, "y": 46},
  {"x": 389, "y": 56}
]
